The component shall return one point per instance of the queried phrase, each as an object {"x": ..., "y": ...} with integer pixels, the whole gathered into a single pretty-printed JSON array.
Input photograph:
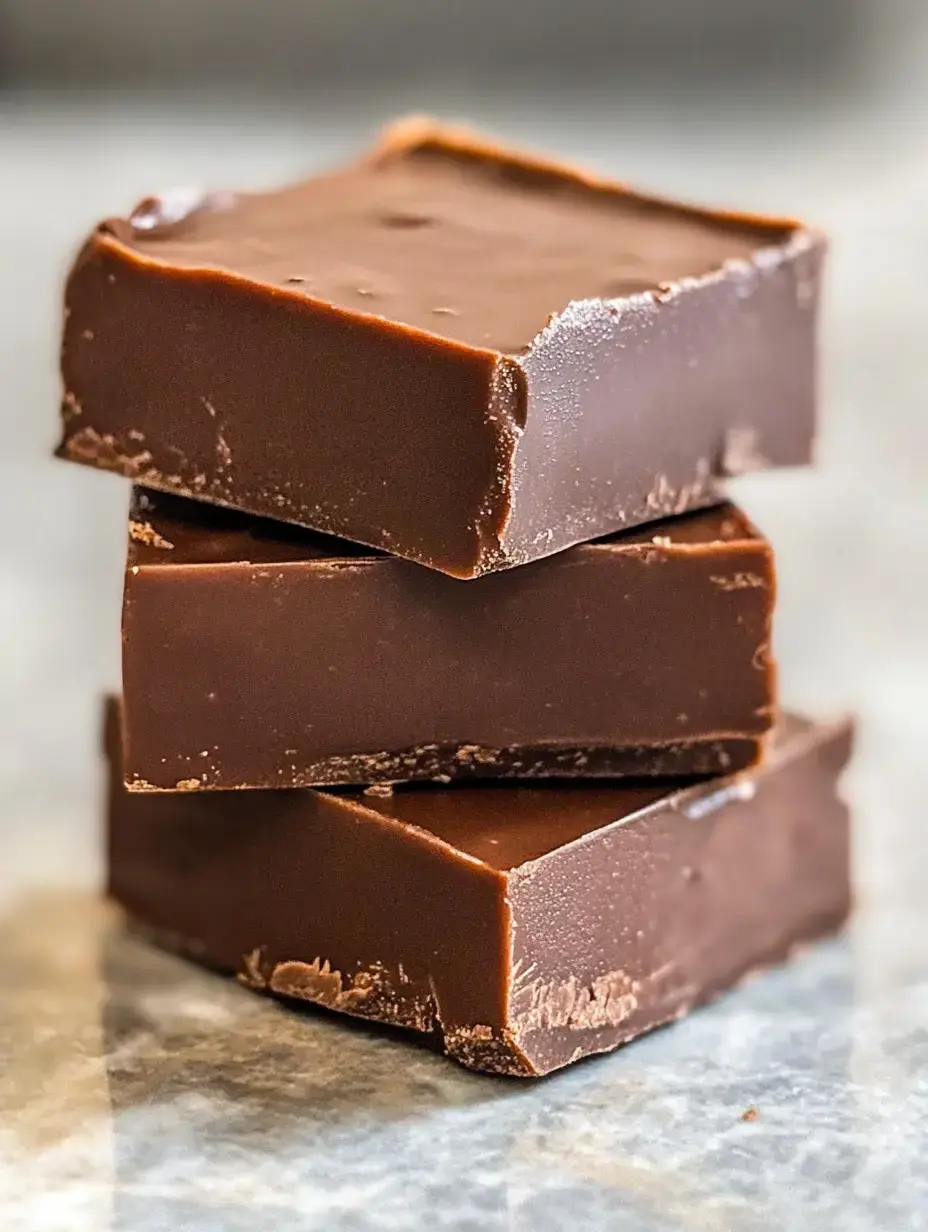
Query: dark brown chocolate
[
  {"x": 526, "y": 927},
  {"x": 460, "y": 354},
  {"x": 257, "y": 655}
]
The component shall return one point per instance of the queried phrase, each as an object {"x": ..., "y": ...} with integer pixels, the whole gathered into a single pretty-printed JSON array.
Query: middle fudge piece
[{"x": 257, "y": 655}]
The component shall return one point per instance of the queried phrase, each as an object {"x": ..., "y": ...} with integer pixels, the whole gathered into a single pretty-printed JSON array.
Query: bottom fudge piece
[{"x": 526, "y": 926}]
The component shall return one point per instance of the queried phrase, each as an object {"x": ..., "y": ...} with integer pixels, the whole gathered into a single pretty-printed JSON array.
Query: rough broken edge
[
  {"x": 716, "y": 753},
  {"x": 501, "y": 1051}
]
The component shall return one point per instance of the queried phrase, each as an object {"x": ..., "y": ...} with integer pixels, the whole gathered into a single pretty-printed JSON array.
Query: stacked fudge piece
[{"x": 448, "y": 698}]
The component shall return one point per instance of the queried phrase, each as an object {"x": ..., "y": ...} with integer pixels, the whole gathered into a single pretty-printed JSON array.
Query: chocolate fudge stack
[{"x": 448, "y": 698}]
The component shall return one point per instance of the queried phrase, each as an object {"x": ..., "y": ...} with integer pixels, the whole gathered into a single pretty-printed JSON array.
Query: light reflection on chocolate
[{"x": 162, "y": 213}]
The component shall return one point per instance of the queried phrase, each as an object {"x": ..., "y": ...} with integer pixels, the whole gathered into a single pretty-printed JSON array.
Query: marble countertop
[
  {"x": 151, "y": 1096},
  {"x": 137, "y": 1093}
]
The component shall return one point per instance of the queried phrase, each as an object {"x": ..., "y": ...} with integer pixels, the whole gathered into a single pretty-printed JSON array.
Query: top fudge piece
[{"x": 458, "y": 353}]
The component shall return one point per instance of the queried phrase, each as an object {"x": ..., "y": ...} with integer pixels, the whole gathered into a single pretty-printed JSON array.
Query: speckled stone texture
[{"x": 154, "y": 1096}]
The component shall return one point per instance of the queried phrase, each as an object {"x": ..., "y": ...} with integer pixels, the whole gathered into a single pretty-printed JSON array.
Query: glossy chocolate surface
[
  {"x": 401, "y": 237},
  {"x": 457, "y": 353},
  {"x": 523, "y": 927},
  {"x": 257, "y": 655}
]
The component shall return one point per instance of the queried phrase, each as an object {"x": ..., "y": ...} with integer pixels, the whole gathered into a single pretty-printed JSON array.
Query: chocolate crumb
[
  {"x": 144, "y": 532},
  {"x": 379, "y": 789}
]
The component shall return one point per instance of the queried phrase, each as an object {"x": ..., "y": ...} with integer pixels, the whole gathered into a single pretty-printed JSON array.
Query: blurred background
[{"x": 812, "y": 107}]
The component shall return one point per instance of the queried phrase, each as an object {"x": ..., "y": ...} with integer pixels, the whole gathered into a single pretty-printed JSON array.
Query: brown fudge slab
[
  {"x": 257, "y": 655},
  {"x": 527, "y": 927},
  {"x": 455, "y": 352}
]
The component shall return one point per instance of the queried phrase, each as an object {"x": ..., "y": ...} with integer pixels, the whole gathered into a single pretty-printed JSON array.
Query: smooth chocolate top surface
[
  {"x": 461, "y": 239},
  {"x": 172, "y": 530},
  {"x": 503, "y": 827},
  {"x": 201, "y": 534},
  {"x": 508, "y": 827}
]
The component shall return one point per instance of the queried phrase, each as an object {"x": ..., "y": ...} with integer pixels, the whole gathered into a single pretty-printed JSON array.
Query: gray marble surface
[{"x": 138, "y": 1093}]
